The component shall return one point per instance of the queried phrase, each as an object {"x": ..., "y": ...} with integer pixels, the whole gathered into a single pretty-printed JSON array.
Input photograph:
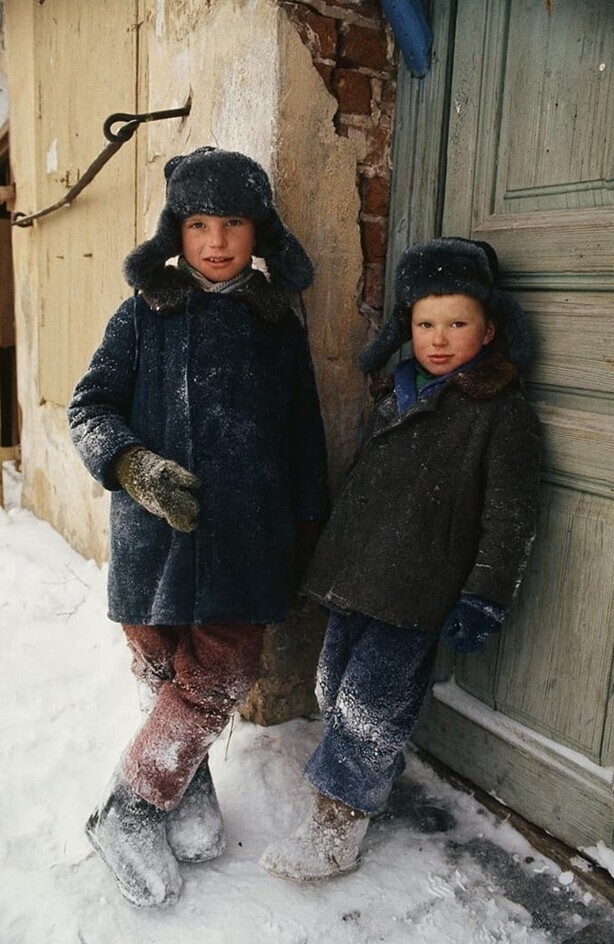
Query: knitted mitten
[
  {"x": 471, "y": 622},
  {"x": 160, "y": 485}
]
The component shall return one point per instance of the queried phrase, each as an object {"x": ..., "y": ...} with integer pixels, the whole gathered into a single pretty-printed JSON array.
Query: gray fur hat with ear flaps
[
  {"x": 217, "y": 183},
  {"x": 450, "y": 266}
]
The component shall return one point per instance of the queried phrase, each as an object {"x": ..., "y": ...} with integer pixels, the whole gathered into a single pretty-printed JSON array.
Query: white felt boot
[
  {"x": 195, "y": 829},
  {"x": 130, "y": 836},
  {"x": 326, "y": 844}
]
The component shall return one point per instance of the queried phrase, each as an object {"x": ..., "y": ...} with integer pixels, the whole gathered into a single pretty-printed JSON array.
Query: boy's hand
[
  {"x": 160, "y": 485},
  {"x": 471, "y": 622}
]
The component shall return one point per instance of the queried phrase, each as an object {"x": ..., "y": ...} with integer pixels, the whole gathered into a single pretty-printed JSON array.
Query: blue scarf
[{"x": 405, "y": 385}]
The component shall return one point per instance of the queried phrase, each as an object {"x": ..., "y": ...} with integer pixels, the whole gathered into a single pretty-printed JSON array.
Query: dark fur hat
[
  {"x": 218, "y": 183},
  {"x": 450, "y": 266}
]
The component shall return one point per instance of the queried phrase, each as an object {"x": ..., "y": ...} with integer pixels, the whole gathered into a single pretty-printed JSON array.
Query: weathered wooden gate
[
  {"x": 510, "y": 139},
  {"x": 85, "y": 60}
]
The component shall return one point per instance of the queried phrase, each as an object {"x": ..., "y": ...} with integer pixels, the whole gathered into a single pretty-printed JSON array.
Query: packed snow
[{"x": 71, "y": 705}]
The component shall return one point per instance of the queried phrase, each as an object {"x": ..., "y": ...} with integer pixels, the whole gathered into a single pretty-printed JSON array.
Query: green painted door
[{"x": 522, "y": 156}]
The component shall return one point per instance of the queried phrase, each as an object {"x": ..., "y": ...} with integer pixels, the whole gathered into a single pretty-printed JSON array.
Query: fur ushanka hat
[
  {"x": 218, "y": 183},
  {"x": 450, "y": 266}
]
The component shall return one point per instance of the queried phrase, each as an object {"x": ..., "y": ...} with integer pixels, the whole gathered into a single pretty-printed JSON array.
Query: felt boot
[
  {"x": 130, "y": 836},
  {"x": 195, "y": 829},
  {"x": 326, "y": 844}
]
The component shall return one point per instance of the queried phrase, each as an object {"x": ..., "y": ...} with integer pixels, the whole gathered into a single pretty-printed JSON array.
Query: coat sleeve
[
  {"x": 509, "y": 514},
  {"x": 308, "y": 443},
  {"x": 100, "y": 405}
]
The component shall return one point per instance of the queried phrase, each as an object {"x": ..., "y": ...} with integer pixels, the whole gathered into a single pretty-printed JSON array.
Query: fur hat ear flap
[
  {"x": 144, "y": 263},
  {"x": 145, "y": 267},
  {"x": 518, "y": 337},
  {"x": 394, "y": 333},
  {"x": 287, "y": 263}
]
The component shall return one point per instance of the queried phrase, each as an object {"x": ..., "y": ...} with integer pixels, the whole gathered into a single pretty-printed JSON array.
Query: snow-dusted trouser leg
[
  {"x": 372, "y": 680},
  {"x": 213, "y": 669},
  {"x": 153, "y": 649},
  {"x": 194, "y": 829}
]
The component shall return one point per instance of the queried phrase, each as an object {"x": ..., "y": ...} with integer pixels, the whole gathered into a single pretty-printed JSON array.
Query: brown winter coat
[{"x": 441, "y": 499}]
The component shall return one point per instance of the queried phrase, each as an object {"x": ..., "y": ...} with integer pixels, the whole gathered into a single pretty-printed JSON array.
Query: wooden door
[
  {"x": 86, "y": 62},
  {"x": 528, "y": 142}
]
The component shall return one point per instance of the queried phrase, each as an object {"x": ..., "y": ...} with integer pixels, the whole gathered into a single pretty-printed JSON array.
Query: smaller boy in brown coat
[{"x": 428, "y": 540}]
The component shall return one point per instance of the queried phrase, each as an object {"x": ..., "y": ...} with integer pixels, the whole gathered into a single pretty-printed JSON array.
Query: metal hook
[
  {"x": 133, "y": 121},
  {"x": 115, "y": 139}
]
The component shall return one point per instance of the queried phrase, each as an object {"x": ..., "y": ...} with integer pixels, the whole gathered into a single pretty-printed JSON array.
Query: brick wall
[{"x": 353, "y": 50}]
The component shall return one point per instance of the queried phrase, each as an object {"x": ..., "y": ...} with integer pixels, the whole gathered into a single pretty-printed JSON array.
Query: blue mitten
[{"x": 471, "y": 622}]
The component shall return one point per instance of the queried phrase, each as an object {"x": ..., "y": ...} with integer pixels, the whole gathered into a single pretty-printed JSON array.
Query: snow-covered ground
[{"x": 439, "y": 869}]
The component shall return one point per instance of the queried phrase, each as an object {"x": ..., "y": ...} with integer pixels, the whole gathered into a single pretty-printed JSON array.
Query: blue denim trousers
[{"x": 371, "y": 682}]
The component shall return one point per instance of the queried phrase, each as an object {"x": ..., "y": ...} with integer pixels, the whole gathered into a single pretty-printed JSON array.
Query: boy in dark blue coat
[
  {"x": 199, "y": 412},
  {"x": 428, "y": 540}
]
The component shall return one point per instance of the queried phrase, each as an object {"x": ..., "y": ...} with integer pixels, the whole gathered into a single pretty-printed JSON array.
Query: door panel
[
  {"x": 556, "y": 146},
  {"x": 541, "y": 132},
  {"x": 82, "y": 246},
  {"x": 529, "y": 168},
  {"x": 556, "y": 652},
  {"x": 574, "y": 339}
]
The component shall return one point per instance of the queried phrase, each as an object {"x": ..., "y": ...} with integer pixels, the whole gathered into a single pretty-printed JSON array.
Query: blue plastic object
[{"x": 412, "y": 33}]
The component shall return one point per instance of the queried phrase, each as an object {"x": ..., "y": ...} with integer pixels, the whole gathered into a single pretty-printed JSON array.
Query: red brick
[
  {"x": 389, "y": 92},
  {"x": 353, "y": 92},
  {"x": 374, "y": 240},
  {"x": 378, "y": 149},
  {"x": 373, "y": 286},
  {"x": 319, "y": 33},
  {"x": 326, "y": 72},
  {"x": 370, "y": 9},
  {"x": 361, "y": 46},
  {"x": 376, "y": 196}
]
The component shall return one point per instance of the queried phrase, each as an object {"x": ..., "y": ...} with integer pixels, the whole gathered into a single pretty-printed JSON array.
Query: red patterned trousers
[{"x": 198, "y": 676}]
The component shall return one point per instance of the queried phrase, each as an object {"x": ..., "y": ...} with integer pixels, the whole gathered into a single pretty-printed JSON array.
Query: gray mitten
[{"x": 160, "y": 485}]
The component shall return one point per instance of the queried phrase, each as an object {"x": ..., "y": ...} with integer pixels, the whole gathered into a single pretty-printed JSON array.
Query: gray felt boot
[
  {"x": 195, "y": 829},
  {"x": 326, "y": 844},
  {"x": 130, "y": 836}
]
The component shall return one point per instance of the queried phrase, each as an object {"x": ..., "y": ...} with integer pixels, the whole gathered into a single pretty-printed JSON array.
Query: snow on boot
[
  {"x": 130, "y": 836},
  {"x": 195, "y": 829},
  {"x": 326, "y": 844}
]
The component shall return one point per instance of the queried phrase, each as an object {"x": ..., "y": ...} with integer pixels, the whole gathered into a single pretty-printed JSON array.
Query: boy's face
[
  {"x": 448, "y": 331},
  {"x": 218, "y": 246}
]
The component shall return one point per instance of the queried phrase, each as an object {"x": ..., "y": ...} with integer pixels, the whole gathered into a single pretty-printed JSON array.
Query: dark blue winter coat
[{"x": 230, "y": 395}]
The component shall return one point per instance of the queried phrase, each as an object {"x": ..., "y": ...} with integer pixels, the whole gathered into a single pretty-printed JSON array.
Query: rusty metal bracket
[{"x": 115, "y": 139}]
